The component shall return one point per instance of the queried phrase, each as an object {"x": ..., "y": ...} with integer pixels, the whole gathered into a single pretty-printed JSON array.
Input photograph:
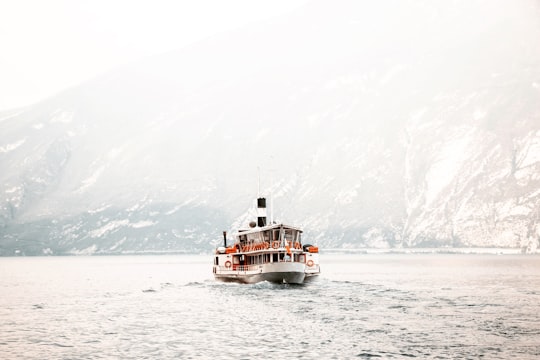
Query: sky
[{"x": 48, "y": 46}]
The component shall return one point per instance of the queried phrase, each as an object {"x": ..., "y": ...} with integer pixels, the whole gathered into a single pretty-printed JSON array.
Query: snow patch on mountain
[
  {"x": 529, "y": 154},
  {"x": 144, "y": 223},
  {"x": 346, "y": 196},
  {"x": 9, "y": 115},
  {"x": 12, "y": 146},
  {"x": 61, "y": 116},
  {"x": 91, "y": 180},
  {"x": 91, "y": 250},
  {"x": 100, "y": 209},
  {"x": 451, "y": 155},
  {"x": 12, "y": 190},
  {"x": 110, "y": 226}
]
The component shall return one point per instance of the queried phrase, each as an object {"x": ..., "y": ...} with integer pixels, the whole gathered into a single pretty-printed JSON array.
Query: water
[{"x": 363, "y": 306}]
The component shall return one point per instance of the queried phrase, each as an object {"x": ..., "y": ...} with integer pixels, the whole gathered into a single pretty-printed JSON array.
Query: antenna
[{"x": 271, "y": 197}]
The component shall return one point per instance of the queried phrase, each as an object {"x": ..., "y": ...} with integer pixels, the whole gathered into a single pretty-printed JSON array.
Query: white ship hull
[{"x": 284, "y": 272}]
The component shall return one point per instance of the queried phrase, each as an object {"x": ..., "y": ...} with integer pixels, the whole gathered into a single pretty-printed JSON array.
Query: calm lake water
[{"x": 387, "y": 306}]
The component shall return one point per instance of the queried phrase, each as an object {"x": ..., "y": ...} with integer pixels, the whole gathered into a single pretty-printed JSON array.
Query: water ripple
[{"x": 172, "y": 313}]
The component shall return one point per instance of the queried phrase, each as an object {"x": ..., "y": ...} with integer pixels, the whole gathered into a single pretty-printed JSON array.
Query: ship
[{"x": 266, "y": 252}]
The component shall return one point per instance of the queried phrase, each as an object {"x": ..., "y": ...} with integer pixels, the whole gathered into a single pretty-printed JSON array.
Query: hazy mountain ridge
[{"x": 373, "y": 127}]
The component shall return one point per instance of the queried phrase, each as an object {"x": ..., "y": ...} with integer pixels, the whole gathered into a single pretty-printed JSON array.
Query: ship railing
[
  {"x": 254, "y": 267},
  {"x": 240, "y": 267},
  {"x": 247, "y": 267}
]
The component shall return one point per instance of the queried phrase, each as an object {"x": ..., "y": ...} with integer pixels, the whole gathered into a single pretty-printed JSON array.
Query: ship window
[
  {"x": 217, "y": 260},
  {"x": 275, "y": 257},
  {"x": 289, "y": 236}
]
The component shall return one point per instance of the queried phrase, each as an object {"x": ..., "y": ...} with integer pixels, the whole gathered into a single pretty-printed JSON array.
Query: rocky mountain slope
[{"x": 395, "y": 124}]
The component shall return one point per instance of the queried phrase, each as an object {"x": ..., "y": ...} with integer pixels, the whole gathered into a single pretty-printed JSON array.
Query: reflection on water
[{"x": 386, "y": 306}]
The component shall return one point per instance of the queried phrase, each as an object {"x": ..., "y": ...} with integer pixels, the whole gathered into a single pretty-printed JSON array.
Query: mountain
[{"x": 394, "y": 124}]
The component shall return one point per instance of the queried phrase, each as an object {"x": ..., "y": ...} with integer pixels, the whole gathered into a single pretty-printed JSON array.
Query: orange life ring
[
  {"x": 227, "y": 264},
  {"x": 275, "y": 244},
  {"x": 310, "y": 263}
]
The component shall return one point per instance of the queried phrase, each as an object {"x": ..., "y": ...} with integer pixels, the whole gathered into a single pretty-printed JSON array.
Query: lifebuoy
[
  {"x": 310, "y": 263},
  {"x": 227, "y": 264},
  {"x": 275, "y": 244}
]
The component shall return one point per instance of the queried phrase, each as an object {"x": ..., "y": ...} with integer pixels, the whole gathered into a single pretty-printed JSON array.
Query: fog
[
  {"x": 47, "y": 47},
  {"x": 384, "y": 124}
]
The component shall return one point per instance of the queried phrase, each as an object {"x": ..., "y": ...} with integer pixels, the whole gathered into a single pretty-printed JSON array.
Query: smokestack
[
  {"x": 261, "y": 212},
  {"x": 225, "y": 239}
]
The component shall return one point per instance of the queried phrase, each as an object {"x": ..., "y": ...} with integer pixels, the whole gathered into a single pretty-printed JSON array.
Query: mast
[{"x": 271, "y": 198}]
